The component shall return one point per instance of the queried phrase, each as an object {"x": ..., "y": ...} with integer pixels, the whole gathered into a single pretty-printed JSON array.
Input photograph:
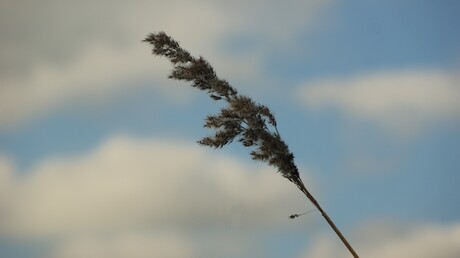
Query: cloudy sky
[{"x": 98, "y": 153}]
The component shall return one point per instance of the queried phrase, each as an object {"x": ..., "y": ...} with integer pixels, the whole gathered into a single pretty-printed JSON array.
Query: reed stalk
[{"x": 244, "y": 120}]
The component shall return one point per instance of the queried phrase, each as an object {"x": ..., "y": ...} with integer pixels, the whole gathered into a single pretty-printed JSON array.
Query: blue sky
[{"x": 97, "y": 148}]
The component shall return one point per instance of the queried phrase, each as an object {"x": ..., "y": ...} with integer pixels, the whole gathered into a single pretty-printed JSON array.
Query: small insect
[{"x": 293, "y": 216}]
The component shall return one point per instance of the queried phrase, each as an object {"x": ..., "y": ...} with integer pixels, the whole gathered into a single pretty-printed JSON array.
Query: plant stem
[
  {"x": 269, "y": 147},
  {"x": 302, "y": 188}
]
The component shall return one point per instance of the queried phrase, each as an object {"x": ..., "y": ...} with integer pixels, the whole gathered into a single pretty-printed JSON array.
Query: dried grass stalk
[{"x": 244, "y": 120}]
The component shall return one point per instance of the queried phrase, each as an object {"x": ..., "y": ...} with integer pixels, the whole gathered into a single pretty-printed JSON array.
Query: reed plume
[{"x": 244, "y": 120}]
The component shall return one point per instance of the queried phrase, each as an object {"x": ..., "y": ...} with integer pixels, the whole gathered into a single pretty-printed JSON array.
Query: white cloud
[
  {"x": 128, "y": 184},
  {"x": 128, "y": 245},
  {"x": 98, "y": 75},
  {"x": 85, "y": 51},
  {"x": 381, "y": 240},
  {"x": 156, "y": 244},
  {"x": 402, "y": 101}
]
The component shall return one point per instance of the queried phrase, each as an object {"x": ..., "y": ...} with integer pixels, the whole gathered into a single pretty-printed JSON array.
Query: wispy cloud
[
  {"x": 96, "y": 76},
  {"x": 401, "y": 101},
  {"x": 381, "y": 240},
  {"x": 129, "y": 183},
  {"x": 157, "y": 244},
  {"x": 57, "y": 53},
  {"x": 127, "y": 245}
]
